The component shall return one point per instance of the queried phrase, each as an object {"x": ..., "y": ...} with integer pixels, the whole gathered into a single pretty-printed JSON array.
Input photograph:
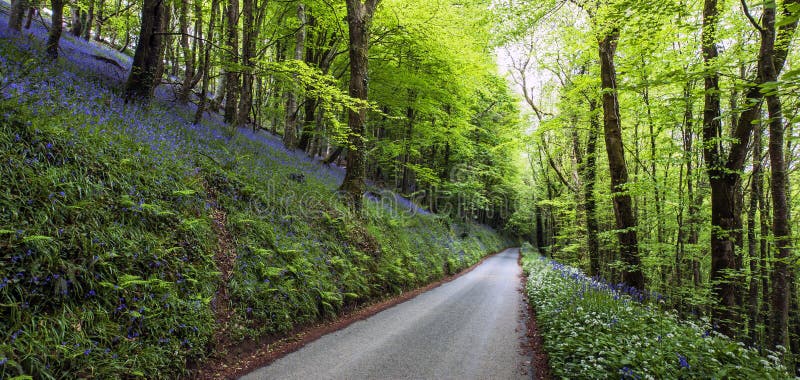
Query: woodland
[{"x": 239, "y": 170}]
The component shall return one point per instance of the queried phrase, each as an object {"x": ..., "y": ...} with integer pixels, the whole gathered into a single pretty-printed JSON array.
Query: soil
[
  {"x": 225, "y": 260},
  {"x": 250, "y": 355}
]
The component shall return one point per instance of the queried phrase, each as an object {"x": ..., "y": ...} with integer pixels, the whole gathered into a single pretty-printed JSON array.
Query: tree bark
[
  {"x": 31, "y": 13},
  {"x": 87, "y": 26},
  {"x": 98, "y": 28},
  {"x": 17, "y": 14},
  {"x": 76, "y": 26},
  {"x": 56, "y": 28},
  {"x": 590, "y": 204},
  {"x": 781, "y": 290},
  {"x": 166, "y": 43},
  {"x": 232, "y": 76},
  {"x": 188, "y": 58},
  {"x": 406, "y": 182},
  {"x": 142, "y": 78},
  {"x": 249, "y": 38},
  {"x": 359, "y": 18},
  {"x": 723, "y": 184},
  {"x": 752, "y": 242},
  {"x": 292, "y": 109},
  {"x": 623, "y": 210},
  {"x": 206, "y": 66}
]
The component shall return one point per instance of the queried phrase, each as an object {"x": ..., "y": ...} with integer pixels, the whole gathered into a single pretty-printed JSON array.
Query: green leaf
[{"x": 36, "y": 238}]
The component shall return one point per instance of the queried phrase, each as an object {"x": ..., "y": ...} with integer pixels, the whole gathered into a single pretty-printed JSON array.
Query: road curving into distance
[{"x": 469, "y": 328}]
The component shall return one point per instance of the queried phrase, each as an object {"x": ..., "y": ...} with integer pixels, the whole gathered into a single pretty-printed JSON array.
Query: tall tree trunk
[
  {"x": 623, "y": 210},
  {"x": 781, "y": 290},
  {"x": 794, "y": 302},
  {"x": 249, "y": 38},
  {"x": 166, "y": 44},
  {"x": 359, "y": 19},
  {"x": 98, "y": 28},
  {"x": 686, "y": 226},
  {"x": 724, "y": 173},
  {"x": 292, "y": 110},
  {"x": 76, "y": 26},
  {"x": 723, "y": 184},
  {"x": 590, "y": 204},
  {"x": 87, "y": 26},
  {"x": 17, "y": 14},
  {"x": 406, "y": 182},
  {"x": 188, "y": 58},
  {"x": 232, "y": 76},
  {"x": 29, "y": 19},
  {"x": 310, "y": 112},
  {"x": 654, "y": 177},
  {"x": 141, "y": 81},
  {"x": 752, "y": 242},
  {"x": 56, "y": 27},
  {"x": 206, "y": 66},
  {"x": 764, "y": 251}
]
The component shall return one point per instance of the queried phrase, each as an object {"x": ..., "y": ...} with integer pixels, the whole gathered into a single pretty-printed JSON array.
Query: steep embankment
[{"x": 118, "y": 224}]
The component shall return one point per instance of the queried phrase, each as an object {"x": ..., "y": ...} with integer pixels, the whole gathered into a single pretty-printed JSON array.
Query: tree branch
[{"x": 750, "y": 17}]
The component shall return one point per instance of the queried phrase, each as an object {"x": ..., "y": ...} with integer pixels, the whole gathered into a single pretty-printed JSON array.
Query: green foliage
[
  {"x": 108, "y": 250},
  {"x": 106, "y": 265},
  {"x": 594, "y": 331}
]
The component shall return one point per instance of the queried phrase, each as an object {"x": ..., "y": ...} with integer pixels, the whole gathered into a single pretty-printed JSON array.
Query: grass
[
  {"x": 594, "y": 330},
  {"x": 106, "y": 234}
]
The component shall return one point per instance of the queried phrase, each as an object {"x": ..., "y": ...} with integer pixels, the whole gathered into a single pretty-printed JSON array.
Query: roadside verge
[{"x": 253, "y": 355}]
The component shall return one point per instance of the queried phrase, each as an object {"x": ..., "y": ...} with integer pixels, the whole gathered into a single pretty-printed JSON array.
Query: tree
[
  {"x": 206, "y": 62},
  {"x": 147, "y": 58},
  {"x": 623, "y": 206},
  {"x": 723, "y": 183},
  {"x": 231, "y": 72},
  {"x": 56, "y": 26},
  {"x": 359, "y": 19},
  {"x": 292, "y": 109},
  {"x": 771, "y": 58},
  {"x": 724, "y": 172},
  {"x": 191, "y": 74},
  {"x": 249, "y": 37},
  {"x": 17, "y": 14}
]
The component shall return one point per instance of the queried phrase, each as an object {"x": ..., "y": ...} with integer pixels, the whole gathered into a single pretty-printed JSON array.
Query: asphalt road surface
[{"x": 466, "y": 329}]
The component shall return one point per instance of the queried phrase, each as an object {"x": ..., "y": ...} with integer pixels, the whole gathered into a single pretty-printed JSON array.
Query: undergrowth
[
  {"x": 106, "y": 241},
  {"x": 594, "y": 330}
]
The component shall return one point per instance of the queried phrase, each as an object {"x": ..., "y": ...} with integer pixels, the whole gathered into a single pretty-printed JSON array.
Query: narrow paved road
[{"x": 466, "y": 329}]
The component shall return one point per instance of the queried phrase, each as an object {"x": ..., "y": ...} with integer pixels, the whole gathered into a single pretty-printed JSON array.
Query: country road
[{"x": 469, "y": 328}]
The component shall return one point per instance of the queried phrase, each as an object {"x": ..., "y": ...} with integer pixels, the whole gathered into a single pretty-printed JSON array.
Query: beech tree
[
  {"x": 142, "y": 78},
  {"x": 17, "y": 14},
  {"x": 56, "y": 27},
  {"x": 359, "y": 19}
]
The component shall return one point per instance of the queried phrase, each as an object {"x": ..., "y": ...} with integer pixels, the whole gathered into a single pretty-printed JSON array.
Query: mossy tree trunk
[
  {"x": 147, "y": 58},
  {"x": 359, "y": 18}
]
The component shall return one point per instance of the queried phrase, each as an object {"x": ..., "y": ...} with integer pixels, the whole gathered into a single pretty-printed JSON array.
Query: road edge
[
  {"x": 261, "y": 353},
  {"x": 540, "y": 361}
]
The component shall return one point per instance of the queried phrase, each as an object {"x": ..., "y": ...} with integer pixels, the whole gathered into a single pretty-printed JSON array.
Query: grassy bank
[
  {"x": 117, "y": 221},
  {"x": 594, "y": 330}
]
